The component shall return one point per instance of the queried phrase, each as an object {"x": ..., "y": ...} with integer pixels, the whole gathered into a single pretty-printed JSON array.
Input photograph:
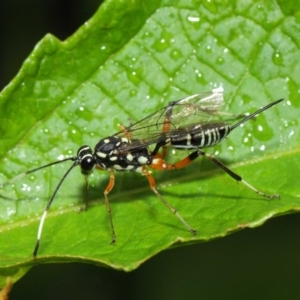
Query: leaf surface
[{"x": 126, "y": 62}]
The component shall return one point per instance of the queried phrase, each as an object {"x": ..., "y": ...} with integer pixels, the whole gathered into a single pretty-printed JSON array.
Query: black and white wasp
[{"x": 191, "y": 123}]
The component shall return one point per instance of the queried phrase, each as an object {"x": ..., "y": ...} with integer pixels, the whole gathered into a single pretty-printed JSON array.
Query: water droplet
[
  {"x": 193, "y": 19},
  {"x": 291, "y": 133},
  {"x": 132, "y": 76},
  {"x": 60, "y": 157},
  {"x": 133, "y": 93},
  {"x": 164, "y": 42},
  {"x": 208, "y": 49},
  {"x": 262, "y": 148},
  {"x": 25, "y": 187},
  {"x": 220, "y": 60},
  {"x": 10, "y": 211},
  {"x": 277, "y": 58},
  {"x": 176, "y": 54}
]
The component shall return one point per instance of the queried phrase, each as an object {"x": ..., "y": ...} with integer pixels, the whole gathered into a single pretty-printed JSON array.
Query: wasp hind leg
[
  {"x": 172, "y": 209},
  {"x": 159, "y": 164},
  {"x": 236, "y": 176}
]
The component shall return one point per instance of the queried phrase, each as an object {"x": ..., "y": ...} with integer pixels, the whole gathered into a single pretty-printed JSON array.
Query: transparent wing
[{"x": 195, "y": 109}]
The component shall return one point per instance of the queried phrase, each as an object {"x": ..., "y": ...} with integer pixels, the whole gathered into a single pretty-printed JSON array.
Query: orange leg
[
  {"x": 107, "y": 190},
  {"x": 172, "y": 209},
  {"x": 159, "y": 164}
]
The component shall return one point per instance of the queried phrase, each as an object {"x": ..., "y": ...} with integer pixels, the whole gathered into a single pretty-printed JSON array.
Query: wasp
[{"x": 191, "y": 123}]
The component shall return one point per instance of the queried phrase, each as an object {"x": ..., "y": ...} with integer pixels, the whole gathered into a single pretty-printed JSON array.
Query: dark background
[{"x": 260, "y": 263}]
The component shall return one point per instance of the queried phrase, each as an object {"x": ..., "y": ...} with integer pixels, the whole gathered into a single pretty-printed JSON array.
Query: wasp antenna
[
  {"x": 73, "y": 158},
  {"x": 255, "y": 113},
  {"x": 39, "y": 234}
]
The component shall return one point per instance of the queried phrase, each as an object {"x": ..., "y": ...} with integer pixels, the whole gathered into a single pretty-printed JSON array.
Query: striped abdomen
[{"x": 199, "y": 136}]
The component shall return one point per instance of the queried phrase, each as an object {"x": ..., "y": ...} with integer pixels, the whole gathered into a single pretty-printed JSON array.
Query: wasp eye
[{"x": 87, "y": 164}]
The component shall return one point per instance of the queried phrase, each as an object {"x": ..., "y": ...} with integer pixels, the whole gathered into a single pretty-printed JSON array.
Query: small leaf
[{"x": 126, "y": 62}]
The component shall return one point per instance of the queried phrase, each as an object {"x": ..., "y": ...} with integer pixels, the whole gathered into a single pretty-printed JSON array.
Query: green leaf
[{"x": 129, "y": 60}]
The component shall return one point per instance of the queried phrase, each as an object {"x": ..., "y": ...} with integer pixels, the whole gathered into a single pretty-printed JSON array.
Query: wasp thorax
[{"x": 108, "y": 146}]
